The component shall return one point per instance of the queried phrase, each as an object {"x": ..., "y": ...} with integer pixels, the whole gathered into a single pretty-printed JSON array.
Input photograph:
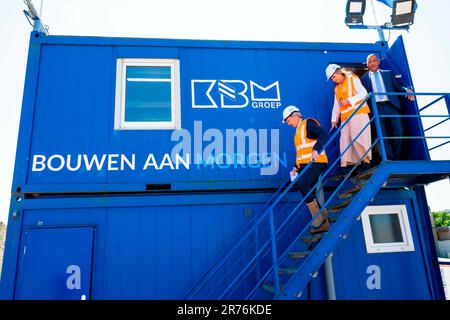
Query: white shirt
[
  {"x": 361, "y": 94},
  {"x": 375, "y": 87}
]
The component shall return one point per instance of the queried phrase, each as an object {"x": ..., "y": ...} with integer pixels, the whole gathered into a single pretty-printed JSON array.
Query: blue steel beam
[
  {"x": 139, "y": 187},
  {"x": 427, "y": 241},
  {"x": 11, "y": 252},
  {"x": 139, "y": 42},
  {"x": 73, "y": 202},
  {"x": 447, "y": 103}
]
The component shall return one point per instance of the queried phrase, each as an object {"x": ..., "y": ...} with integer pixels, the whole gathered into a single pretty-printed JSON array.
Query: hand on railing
[{"x": 410, "y": 96}]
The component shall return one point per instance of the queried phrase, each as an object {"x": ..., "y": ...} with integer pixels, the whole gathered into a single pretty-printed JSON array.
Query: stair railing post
[
  {"x": 274, "y": 255},
  {"x": 258, "y": 270},
  {"x": 378, "y": 127},
  {"x": 447, "y": 103}
]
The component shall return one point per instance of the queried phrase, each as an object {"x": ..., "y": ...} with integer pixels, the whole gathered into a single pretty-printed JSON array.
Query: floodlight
[
  {"x": 403, "y": 12},
  {"x": 355, "y": 11}
]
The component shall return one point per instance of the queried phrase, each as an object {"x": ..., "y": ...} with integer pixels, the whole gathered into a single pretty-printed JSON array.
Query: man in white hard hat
[
  {"x": 309, "y": 139},
  {"x": 377, "y": 80}
]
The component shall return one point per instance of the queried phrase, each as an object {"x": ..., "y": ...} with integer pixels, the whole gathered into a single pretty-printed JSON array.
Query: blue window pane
[
  {"x": 148, "y": 101},
  {"x": 148, "y": 72},
  {"x": 385, "y": 228}
]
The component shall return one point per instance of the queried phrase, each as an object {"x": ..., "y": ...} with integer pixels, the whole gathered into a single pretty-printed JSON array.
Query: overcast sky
[{"x": 427, "y": 44}]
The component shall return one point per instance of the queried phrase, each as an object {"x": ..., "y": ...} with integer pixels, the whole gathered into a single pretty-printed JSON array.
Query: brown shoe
[
  {"x": 322, "y": 219},
  {"x": 323, "y": 227}
]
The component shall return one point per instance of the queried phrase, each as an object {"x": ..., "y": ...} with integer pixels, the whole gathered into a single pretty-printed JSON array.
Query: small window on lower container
[
  {"x": 387, "y": 229},
  {"x": 147, "y": 94}
]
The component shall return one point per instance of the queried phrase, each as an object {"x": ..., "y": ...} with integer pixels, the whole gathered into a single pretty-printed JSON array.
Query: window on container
[
  {"x": 147, "y": 94},
  {"x": 387, "y": 229}
]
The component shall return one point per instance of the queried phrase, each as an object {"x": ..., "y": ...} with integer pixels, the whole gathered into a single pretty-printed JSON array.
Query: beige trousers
[{"x": 362, "y": 143}]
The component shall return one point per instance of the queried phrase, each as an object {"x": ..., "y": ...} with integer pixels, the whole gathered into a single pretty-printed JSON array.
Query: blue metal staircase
[{"x": 271, "y": 259}]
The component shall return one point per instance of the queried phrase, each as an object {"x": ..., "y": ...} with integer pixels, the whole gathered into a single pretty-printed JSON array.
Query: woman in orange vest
[
  {"x": 349, "y": 93},
  {"x": 309, "y": 139}
]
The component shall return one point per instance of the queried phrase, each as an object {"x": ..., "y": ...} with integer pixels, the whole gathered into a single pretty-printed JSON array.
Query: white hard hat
[
  {"x": 288, "y": 111},
  {"x": 331, "y": 69}
]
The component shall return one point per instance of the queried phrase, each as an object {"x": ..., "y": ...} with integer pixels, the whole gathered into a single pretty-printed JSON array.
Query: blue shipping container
[{"x": 140, "y": 162}]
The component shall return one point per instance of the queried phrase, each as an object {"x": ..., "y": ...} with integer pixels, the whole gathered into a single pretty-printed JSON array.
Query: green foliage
[{"x": 441, "y": 218}]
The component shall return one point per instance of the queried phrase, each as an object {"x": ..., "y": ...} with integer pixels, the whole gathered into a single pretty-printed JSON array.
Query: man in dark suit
[{"x": 377, "y": 80}]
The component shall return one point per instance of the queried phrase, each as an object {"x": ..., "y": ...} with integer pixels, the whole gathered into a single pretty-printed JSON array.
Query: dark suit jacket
[{"x": 391, "y": 84}]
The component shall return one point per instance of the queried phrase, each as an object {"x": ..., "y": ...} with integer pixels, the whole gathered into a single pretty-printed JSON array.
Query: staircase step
[
  {"x": 339, "y": 206},
  {"x": 287, "y": 270},
  {"x": 298, "y": 254},
  {"x": 350, "y": 192},
  {"x": 337, "y": 177},
  {"x": 334, "y": 216},
  {"x": 363, "y": 175},
  {"x": 313, "y": 237},
  {"x": 271, "y": 288}
]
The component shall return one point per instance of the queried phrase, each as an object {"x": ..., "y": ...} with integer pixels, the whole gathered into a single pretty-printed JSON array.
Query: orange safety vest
[
  {"x": 304, "y": 145},
  {"x": 345, "y": 90}
]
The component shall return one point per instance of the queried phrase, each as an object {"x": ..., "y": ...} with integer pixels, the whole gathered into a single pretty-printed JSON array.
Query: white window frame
[
  {"x": 401, "y": 211},
  {"x": 119, "y": 118}
]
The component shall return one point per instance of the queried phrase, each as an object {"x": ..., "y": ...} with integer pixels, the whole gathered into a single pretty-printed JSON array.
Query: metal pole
[
  {"x": 258, "y": 271},
  {"x": 447, "y": 103},
  {"x": 379, "y": 30},
  {"x": 274, "y": 255},
  {"x": 329, "y": 277},
  {"x": 40, "y": 9},
  {"x": 378, "y": 127},
  {"x": 381, "y": 34}
]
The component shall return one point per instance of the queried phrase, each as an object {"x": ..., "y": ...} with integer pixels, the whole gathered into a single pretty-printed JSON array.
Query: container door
[{"x": 56, "y": 264}]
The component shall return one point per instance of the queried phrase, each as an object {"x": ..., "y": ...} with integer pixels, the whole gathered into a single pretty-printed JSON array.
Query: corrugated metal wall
[{"x": 151, "y": 252}]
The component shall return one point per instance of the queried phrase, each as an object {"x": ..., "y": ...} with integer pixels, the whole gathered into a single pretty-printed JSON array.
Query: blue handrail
[
  {"x": 445, "y": 96},
  {"x": 382, "y": 148},
  {"x": 234, "y": 246},
  {"x": 381, "y": 138},
  {"x": 267, "y": 211},
  {"x": 306, "y": 228},
  {"x": 228, "y": 250},
  {"x": 286, "y": 190}
]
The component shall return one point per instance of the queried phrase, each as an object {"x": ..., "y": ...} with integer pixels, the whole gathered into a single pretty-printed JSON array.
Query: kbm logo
[{"x": 234, "y": 94}]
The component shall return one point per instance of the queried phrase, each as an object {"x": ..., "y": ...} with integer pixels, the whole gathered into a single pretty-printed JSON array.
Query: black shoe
[
  {"x": 364, "y": 166},
  {"x": 342, "y": 171},
  {"x": 323, "y": 227}
]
